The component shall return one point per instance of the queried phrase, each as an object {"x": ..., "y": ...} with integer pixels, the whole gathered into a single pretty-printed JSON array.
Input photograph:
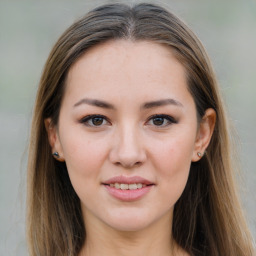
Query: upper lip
[{"x": 128, "y": 180}]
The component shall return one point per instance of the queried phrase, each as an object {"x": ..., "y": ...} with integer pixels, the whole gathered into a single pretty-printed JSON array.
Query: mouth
[
  {"x": 128, "y": 188},
  {"x": 125, "y": 183},
  {"x": 125, "y": 186}
]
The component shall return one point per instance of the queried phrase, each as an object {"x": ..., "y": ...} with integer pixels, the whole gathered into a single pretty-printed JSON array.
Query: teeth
[
  {"x": 127, "y": 186},
  {"x": 139, "y": 185},
  {"x": 124, "y": 186},
  {"x": 133, "y": 186}
]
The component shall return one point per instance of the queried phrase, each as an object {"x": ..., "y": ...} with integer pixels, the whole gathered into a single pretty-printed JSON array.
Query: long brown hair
[{"x": 208, "y": 219}]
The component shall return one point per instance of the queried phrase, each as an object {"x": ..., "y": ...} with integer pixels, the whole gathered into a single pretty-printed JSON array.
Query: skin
[{"x": 129, "y": 142}]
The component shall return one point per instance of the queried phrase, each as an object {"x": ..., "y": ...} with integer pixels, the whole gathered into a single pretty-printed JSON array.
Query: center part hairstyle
[{"x": 207, "y": 218}]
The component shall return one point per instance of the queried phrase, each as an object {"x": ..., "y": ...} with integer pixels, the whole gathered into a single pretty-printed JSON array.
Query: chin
[
  {"x": 131, "y": 226},
  {"x": 129, "y": 221}
]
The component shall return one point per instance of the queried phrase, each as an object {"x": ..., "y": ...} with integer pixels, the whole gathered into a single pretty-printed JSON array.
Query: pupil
[
  {"x": 97, "y": 120},
  {"x": 158, "y": 121}
]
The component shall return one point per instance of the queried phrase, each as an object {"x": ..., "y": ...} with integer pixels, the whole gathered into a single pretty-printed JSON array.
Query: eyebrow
[
  {"x": 94, "y": 102},
  {"x": 147, "y": 105},
  {"x": 159, "y": 103}
]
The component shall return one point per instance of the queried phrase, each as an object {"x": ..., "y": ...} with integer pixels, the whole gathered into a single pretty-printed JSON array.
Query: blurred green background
[{"x": 28, "y": 30}]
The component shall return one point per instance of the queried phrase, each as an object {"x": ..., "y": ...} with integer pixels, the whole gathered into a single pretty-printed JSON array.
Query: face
[{"x": 128, "y": 132}]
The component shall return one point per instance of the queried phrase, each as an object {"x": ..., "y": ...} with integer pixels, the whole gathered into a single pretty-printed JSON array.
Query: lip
[
  {"x": 128, "y": 195},
  {"x": 128, "y": 180}
]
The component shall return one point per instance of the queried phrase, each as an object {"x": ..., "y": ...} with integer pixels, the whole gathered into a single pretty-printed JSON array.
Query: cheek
[
  {"x": 173, "y": 153},
  {"x": 172, "y": 162},
  {"x": 84, "y": 157},
  {"x": 84, "y": 160}
]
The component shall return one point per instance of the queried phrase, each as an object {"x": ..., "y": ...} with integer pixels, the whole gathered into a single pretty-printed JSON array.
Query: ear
[
  {"x": 53, "y": 138},
  {"x": 204, "y": 134}
]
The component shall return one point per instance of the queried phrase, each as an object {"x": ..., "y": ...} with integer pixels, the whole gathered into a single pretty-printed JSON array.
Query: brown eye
[
  {"x": 94, "y": 121},
  {"x": 97, "y": 121},
  {"x": 161, "y": 120},
  {"x": 158, "y": 121}
]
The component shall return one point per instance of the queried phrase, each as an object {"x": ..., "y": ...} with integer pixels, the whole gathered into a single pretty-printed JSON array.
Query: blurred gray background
[{"x": 28, "y": 30}]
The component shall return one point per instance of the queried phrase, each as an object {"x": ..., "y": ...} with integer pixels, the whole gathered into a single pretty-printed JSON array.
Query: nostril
[
  {"x": 128, "y": 165},
  {"x": 125, "y": 154}
]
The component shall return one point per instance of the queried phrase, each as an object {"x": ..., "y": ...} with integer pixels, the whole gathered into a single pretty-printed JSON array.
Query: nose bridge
[{"x": 128, "y": 149}]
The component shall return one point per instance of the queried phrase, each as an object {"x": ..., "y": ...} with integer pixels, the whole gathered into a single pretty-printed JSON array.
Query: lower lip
[{"x": 128, "y": 195}]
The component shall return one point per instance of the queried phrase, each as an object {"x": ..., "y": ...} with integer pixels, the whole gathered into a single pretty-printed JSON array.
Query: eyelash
[
  {"x": 85, "y": 120},
  {"x": 169, "y": 120}
]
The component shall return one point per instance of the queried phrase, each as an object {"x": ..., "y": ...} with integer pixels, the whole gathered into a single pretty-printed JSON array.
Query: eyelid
[
  {"x": 170, "y": 119},
  {"x": 84, "y": 120}
]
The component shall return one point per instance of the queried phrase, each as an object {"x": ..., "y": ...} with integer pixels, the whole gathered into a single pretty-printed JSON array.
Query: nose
[{"x": 127, "y": 150}]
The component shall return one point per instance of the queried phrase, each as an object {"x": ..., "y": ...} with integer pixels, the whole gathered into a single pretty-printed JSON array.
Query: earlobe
[
  {"x": 54, "y": 140},
  {"x": 204, "y": 134}
]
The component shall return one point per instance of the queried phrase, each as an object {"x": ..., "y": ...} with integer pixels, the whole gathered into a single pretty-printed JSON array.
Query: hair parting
[{"x": 208, "y": 219}]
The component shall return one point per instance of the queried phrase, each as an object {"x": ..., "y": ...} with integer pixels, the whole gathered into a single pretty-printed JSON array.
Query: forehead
[
  {"x": 125, "y": 52},
  {"x": 127, "y": 68}
]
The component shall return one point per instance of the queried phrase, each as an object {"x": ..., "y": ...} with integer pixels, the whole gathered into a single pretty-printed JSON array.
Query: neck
[{"x": 153, "y": 240}]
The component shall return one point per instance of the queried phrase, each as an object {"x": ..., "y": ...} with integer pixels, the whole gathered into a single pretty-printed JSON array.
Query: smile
[
  {"x": 128, "y": 188},
  {"x": 124, "y": 186}
]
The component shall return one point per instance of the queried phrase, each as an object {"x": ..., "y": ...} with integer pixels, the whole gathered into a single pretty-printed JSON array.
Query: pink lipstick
[{"x": 128, "y": 188}]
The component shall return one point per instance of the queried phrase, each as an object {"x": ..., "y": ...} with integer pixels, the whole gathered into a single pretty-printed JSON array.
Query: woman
[{"x": 129, "y": 151}]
